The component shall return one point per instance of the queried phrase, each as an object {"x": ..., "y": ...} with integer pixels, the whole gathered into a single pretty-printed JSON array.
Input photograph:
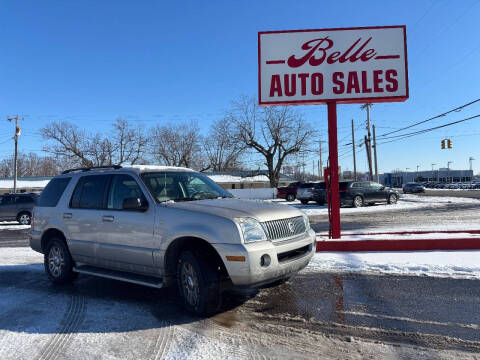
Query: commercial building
[{"x": 442, "y": 175}]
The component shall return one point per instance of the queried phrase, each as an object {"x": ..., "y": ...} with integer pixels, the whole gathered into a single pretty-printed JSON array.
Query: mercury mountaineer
[{"x": 161, "y": 226}]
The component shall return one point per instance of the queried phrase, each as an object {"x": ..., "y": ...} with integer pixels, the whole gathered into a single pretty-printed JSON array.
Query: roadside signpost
[{"x": 330, "y": 66}]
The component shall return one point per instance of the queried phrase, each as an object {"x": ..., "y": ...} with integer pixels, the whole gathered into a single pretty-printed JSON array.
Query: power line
[
  {"x": 405, "y": 136},
  {"x": 459, "y": 108}
]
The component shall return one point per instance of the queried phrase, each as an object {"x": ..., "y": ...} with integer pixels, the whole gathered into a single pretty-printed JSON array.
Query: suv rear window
[
  {"x": 53, "y": 192},
  {"x": 306, "y": 186}
]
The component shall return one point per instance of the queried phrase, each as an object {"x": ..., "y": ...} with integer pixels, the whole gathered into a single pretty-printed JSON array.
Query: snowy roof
[
  {"x": 7, "y": 184},
  {"x": 237, "y": 179}
]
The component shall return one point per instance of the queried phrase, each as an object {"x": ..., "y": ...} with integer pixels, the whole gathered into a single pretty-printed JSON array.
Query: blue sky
[{"x": 89, "y": 62}]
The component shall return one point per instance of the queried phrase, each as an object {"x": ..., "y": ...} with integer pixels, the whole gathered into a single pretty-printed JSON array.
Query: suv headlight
[
  {"x": 306, "y": 221},
  {"x": 252, "y": 230}
]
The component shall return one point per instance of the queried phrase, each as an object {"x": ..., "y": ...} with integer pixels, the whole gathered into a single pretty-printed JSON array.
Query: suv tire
[
  {"x": 304, "y": 202},
  {"x": 58, "y": 262},
  {"x": 198, "y": 284},
  {"x": 24, "y": 218},
  {"x": 392, "y": 199},
  {"x": 357, "y": 201},
  {"x": 290, "y": 197}
]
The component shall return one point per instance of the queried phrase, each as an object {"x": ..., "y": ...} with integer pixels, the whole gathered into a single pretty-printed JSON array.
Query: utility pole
[
  {"x": 375, "y": 154},
  {"x": 320, "y": 168},
  {"x": 354, "y": 156},
  {"x": 417, "y": 173},
  {"x": 432, "y": 171},
  {"x": 368, "y": 141},
  {"x": 15, "y": 137},
  {"x": 369, "y": 158}
]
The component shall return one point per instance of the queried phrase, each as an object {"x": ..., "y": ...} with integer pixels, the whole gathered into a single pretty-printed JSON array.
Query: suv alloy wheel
[
  {"x": 58, "y": 262},
  {"x": 198, "y": 284},
  {"x": 290, "y": 197}
]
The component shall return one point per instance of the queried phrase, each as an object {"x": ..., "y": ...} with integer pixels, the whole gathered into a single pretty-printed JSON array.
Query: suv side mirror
[{"x": 134, "y": 204}]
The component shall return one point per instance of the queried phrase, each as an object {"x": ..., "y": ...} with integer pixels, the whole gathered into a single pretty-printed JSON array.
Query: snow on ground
[
  {"x": 458, "y": 264},
  {"x": 406, "y": 202},
  {"x": 430, "y": 263},
  {"x": 12, "y": 225},
  {"x": 19, "y": 256}
]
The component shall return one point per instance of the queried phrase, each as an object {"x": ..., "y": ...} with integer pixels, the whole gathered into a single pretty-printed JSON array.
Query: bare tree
[
  {"x": 273, "y": 132},
  {"x": 178, "y": 145},
  {"x": 30, "y": 165},
  {"x": 68, "y": 141},
  {"x": 222, "y": 146},
  {"x": 123, "y": 145}
]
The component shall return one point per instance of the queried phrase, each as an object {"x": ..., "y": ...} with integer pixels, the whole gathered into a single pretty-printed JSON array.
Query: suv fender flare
[
  {"x": 194, "y": 244},
  {"x": 47, "y": 234}
]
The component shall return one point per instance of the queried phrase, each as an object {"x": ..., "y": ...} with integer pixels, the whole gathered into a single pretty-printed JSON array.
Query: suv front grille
[{"x": 284, "y": 228}]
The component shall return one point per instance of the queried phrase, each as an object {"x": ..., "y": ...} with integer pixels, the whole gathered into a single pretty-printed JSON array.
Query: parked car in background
[
  {"x": 413, "y": 187},
  {"x": 312, "y": 191},
  {"x": 360, "y": 193},
  {"x": 289, "y": 192},
  {"x": 17, "y": 207}
]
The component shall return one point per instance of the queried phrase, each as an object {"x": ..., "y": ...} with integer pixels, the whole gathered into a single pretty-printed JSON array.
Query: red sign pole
[{"x": 333, "y": 159}]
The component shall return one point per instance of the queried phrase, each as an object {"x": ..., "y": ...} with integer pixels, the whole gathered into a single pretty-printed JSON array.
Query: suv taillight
[{"x": 344, "y": 190}]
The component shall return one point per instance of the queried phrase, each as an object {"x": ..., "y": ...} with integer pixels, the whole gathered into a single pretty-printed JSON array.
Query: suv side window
[
  {"x": 90, "y": 192},
  {"x": 122, "y": 187}
]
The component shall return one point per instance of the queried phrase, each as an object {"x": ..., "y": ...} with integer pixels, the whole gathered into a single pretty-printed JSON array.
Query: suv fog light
[{"x": 265, "y": 260}]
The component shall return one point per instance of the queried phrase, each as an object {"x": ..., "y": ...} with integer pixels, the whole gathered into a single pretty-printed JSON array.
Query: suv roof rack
[{"x": 115, "y": 167}]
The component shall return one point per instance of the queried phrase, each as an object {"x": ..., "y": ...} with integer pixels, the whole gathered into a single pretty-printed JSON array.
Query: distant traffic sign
[{"x": 348, "y": 65}]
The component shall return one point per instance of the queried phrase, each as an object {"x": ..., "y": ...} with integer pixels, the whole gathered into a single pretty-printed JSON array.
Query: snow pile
[
  {"x": 9, "y": 225},
  {"x": 459, "y": 264}
]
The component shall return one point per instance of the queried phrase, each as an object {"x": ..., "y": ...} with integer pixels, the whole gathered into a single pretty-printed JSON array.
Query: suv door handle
[
  {"x": 108, "y": 218},
  {"x": 67, "y": 215}
]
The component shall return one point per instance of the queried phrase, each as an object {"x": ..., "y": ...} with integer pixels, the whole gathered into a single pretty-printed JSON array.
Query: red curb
[
  {"x": 411, "y": 232},
  {"x": 400, "y": 245}
]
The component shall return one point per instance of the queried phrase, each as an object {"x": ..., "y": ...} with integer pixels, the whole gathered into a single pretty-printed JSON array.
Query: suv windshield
[{"x": 182, "y": 186}]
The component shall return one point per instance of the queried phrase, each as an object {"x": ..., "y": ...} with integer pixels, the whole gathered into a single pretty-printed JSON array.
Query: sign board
[{"x": 348, "y": 65}]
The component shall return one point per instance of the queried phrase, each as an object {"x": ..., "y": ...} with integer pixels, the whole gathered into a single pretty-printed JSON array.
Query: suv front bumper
[{"x": 286, "y": 258}]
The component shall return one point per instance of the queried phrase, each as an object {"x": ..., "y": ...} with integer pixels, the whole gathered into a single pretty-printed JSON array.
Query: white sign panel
[{"x": 351, "y": 65}]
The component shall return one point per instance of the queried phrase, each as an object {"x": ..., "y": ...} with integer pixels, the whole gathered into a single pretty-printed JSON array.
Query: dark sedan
[{"x": 360, "y": 193}]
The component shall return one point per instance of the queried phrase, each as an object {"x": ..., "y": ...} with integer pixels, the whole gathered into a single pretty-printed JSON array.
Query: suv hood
[{"x": 235, "y": 208}]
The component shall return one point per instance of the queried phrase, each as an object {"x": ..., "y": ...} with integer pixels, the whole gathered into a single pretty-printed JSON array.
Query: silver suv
[{"x": 159, "y": 226}]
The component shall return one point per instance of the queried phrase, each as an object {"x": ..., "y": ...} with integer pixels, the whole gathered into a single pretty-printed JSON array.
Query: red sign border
[{"x": 337, "y": 100}]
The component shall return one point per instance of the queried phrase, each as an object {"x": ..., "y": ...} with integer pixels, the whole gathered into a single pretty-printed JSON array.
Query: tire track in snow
[
  {"x": 70, "y": 323},
  {"x": 163, "y": 341}
]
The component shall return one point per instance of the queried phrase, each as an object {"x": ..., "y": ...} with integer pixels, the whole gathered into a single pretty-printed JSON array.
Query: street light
[
  {"x": 406, "y": 171},
  {"x": 416, "y": 175},
  {"x": 432, "y": 170}
]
